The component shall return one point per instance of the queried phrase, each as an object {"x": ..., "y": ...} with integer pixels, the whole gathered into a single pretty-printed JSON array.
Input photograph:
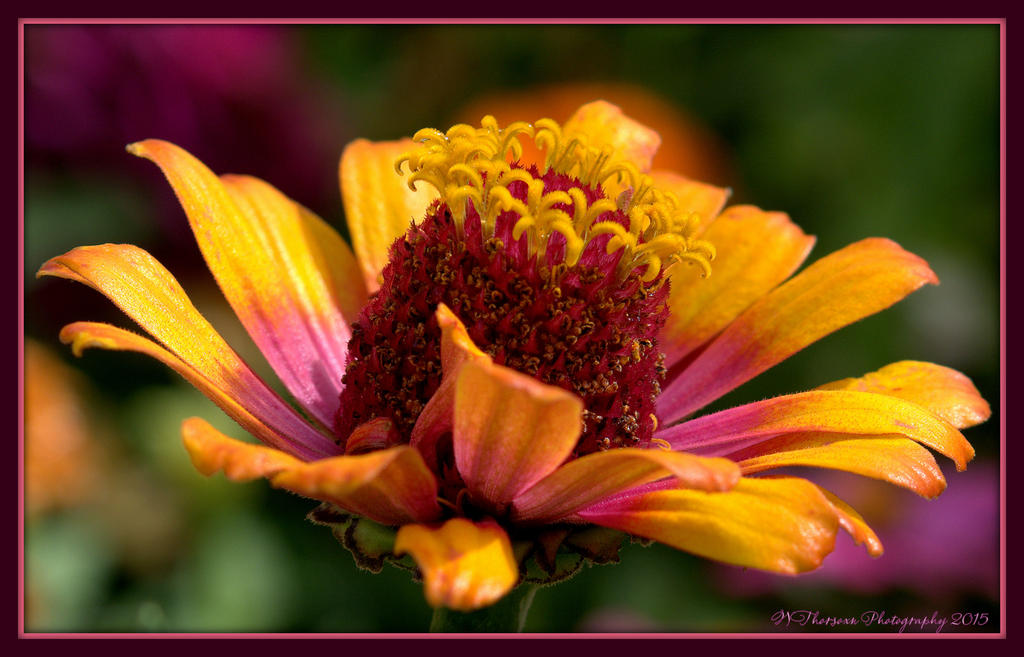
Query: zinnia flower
[{"x": 504, "y": 370}]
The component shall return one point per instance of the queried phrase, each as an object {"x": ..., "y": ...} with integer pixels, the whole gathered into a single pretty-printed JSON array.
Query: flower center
[{"x": 549, "y": 275}]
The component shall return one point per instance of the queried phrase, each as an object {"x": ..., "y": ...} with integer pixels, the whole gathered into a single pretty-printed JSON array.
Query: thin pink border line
[
  {"x": 506, "y": 635},
  {"x": 524, "y": 21},
  {"x": 21, "y": 328},
  {"x": 1002, "y": 324},
  {"x": 20, "y": 312}
]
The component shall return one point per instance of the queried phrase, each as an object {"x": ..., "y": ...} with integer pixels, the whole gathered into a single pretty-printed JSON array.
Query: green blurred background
[{"x": 855, "y": 131}]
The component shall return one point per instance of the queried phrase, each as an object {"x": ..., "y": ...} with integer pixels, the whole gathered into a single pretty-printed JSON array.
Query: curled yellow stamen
[
  {"x": 662, "y": 444},
  {"x": 472, "y": 165}
]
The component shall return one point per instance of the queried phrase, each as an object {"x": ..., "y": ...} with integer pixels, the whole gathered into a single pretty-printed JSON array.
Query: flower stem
[{"x": 506, "y": 615}]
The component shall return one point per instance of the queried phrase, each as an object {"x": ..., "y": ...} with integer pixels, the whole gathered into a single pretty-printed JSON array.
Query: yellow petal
[
  {"x": 465, "y": 565},
  {"x": 854, "y": 524},
  {"x": 594, "y": 477},
  {"x": 379, "y": 206},
  {"x": 943, "y": 391},
  {"x": 841, "y": 288},
  {"x": 755, "y": 251},
  {"x": 702, "y": 199},
  {"x": 784, "y": 525},
  {"x": 897, "y": 460},
  {"x": 510, "y": 431},
  {"x": 147, "y": 293},
  {"x": 273, "y": 271},
  {"x": 605, "y": 126}
]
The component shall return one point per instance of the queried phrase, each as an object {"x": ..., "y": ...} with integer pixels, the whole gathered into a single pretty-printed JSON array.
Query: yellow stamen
[
  {"x": 470, "y": 168},
  {"x": 662, "y": 444}
]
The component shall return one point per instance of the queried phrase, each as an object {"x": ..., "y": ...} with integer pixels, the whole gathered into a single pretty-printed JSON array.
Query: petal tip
[
  {"x": 465, "y": 565},
  {"x": 144, "y": 147}
]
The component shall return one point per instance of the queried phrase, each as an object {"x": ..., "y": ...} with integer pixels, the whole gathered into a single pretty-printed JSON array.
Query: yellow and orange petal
[
  {"x": 379, "y": 205},
  {"x": 212, "y": 452},
  {"x": 945, "y": 392},
  {"x": 831, "y": 411},
  {"x": 149, "y": 294},
  {"x": 594, "y": 477},
  {"x": 755, "y": 251},
  {"x": 274, "y": 268},
  {"x": 510, "y": 431},
  {"x": 391, "y": 486},
  {"x": 784, "y": 525},
  {"x": 897, "y": 460},
  {"x": 465, "y": 565},
  {"x": 839, "y": 289},
  {"x": 854, "y": 525},
  {"x": 606, "y": 127}
]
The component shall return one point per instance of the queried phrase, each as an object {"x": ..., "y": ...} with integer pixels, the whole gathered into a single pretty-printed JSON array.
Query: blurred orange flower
[{"x": 61, "y": 454}]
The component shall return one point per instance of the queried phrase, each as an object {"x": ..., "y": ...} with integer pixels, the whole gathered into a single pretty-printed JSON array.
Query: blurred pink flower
[{"x": 223, "y": 89}]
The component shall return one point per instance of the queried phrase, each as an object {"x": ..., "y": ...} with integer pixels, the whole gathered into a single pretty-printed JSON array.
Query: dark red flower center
[{"x": 588, "y": 327}]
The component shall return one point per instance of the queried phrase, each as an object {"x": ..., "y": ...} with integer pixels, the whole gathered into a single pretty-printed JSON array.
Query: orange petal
[
  {"x": 702, "y": 199},
  {"x": 436, "y": 417},
  {"x": 510, "y": 431},
  {"x": 832, "y": 411},
  {"x": 784, "y": 525},
  {"x": 943, "y": 391},
  {"x": 841, "y": 288},
  {"x": 755, "y": 251},
  {"x": 379, "y": 206},
  {"x": 234, "y": 398},
  {"x": 378, "y": 433},
  {"x": 897, "y": 460},
  {"x": 210, "y": 451},
  {"x": 273, "y": 271},
  {"x": 594, "y": 477},
  {"x": 146, "y": 292},
  {"x": 465, "y": 565},
  {"x": 456, "y": 345},
  {"x": 855, "y": 526},
  {"x": 605, "y": 126},
  {"x": 391, "y": 486}
]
